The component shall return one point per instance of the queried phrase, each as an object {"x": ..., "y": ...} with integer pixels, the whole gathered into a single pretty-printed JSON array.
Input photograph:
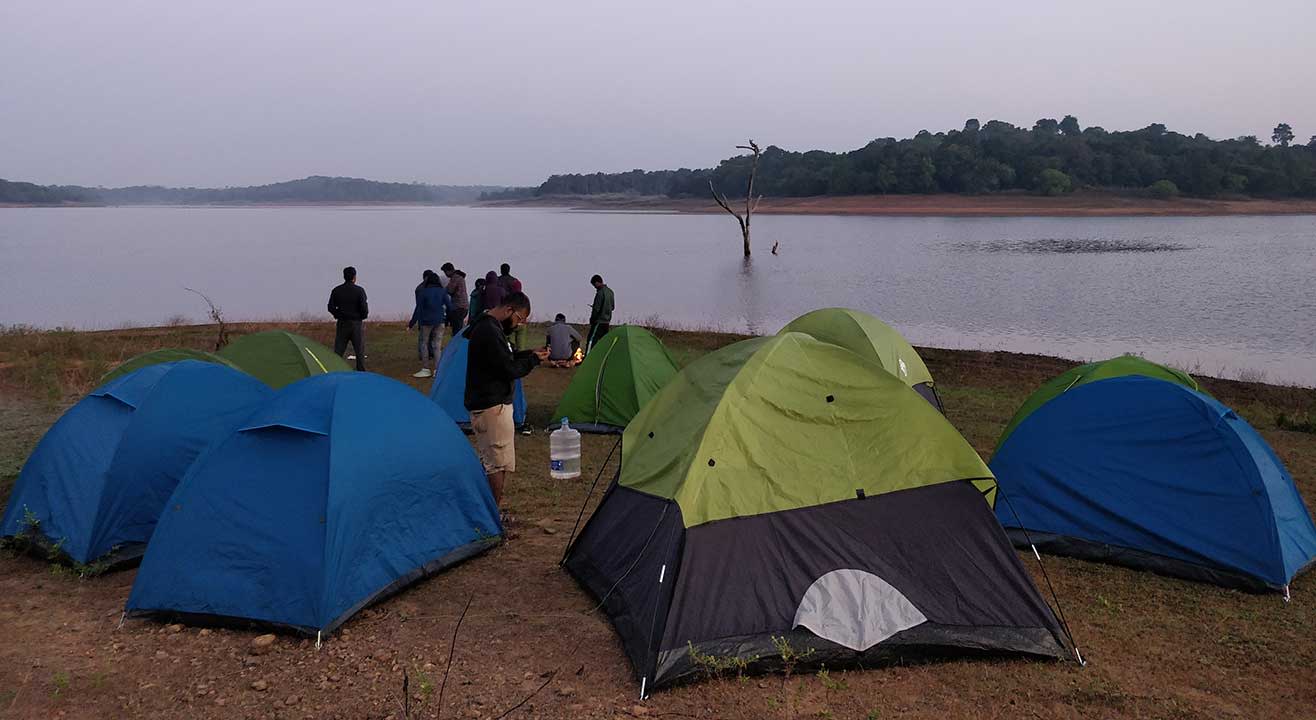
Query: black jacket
[
  {"x": 348, "y": 302},
  {"x": 491, "y": 366}
]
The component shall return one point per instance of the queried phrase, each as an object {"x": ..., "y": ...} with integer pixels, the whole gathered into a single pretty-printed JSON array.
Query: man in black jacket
[
  {"x": 347, "y": 303},
  {"x": 491, "y": 370}
]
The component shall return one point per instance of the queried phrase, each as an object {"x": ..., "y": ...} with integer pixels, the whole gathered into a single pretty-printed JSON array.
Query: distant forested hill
[
  {"x": 1051, "y": 158},
  {"x": 311, "y": 189}
]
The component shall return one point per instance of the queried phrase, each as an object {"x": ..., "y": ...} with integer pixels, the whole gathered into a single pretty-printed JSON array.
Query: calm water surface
[{"x": 1221, "y": 296}]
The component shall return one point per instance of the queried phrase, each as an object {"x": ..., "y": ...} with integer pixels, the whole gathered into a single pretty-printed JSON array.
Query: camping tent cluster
[
  {"x": 291, "y": 508},
  {"x": 803, "y": 488}
]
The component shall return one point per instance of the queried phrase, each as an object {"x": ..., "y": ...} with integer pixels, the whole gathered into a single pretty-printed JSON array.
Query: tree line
[
  {"x": 316, "y": 188},
  {"x": 1051, "y": 158}
]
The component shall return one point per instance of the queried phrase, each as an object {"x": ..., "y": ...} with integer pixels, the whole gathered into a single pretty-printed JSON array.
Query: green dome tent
[
  {"x": 164, "y": 355},
  {"x": 870, "y": 338},
  {"x": 626, "y": 368},
  {"x": 1121, "y": 366},
  {"x": 783, "y": 487},
  {"x": 279, "y": 358}
]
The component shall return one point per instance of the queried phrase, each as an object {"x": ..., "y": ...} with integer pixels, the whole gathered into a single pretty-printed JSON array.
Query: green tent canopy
[
  {"x": 626, "y": 368},
  {"x": 784, "y": 487},
  {"x": 870, "y": 338},
  {"x": 279, "y": 358},
  {"x": 1115, "y": 367},
  {"x": 164, "y": 355}
]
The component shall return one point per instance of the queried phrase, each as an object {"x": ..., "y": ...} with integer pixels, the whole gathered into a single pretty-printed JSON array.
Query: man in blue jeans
[{"x": 432, "y": 307}]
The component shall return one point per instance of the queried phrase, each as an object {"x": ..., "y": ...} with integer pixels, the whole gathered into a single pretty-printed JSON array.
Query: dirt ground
[
  {"x": 1157, "y": 647},
  {"x": 1082, "y": 204}
]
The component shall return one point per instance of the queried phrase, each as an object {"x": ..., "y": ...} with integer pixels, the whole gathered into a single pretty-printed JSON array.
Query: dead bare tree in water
[
  {"x": 217, "y": 317},
  {"x": 751, "y": 202}
]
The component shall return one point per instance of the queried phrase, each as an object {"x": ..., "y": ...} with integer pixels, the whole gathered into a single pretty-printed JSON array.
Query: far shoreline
[
  {"x": 940, "y": 205},
  {"x": 1081, "y": 204}
]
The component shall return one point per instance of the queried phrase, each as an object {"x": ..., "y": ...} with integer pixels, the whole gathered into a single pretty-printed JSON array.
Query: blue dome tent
[
  {"x": 449, "y": 388},
  {"x": 1151, "y": 474},
  {"x": 340, "y": 490},
  {"x": 100, "y": 477}
]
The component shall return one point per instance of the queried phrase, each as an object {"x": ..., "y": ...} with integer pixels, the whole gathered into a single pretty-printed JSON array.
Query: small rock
[
  {"x": 382, "y": 655},
  {"x": 175, "y": 628},
  {"x": 161, "y": 654},
  {"x": 471, "y": 712},
  {"x": 205, "y": 632},
  {"x": 566, "y": 692},
  {"x": 262, "y": 644},
  {"x": 260, "y": 686},
  {"x": 292, "y": 700},
  {"x": 427, "y": 666},
  {"x": 639, "y": 710},
  {"x": 221, "y": 701},
  {"x": 116, "y": 647},
  {"x": 550, "y": 530}
]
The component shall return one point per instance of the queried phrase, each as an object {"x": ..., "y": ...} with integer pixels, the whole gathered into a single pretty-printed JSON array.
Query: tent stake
[
  {"x": 124, "y": 616},
  {"x": 318, "y": 640}
]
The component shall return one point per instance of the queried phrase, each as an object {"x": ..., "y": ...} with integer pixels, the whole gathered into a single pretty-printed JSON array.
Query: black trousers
[
  {"x": 596, "y": 332},
  {"x": 351, "y": 331},
  {"x": 456, "y": 320}
]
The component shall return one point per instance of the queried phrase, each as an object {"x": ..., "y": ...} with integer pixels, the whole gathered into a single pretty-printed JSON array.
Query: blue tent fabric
[
  {"x": 341, "y": 489},
  {"x": 449, "y": 387},
  {"x": 1162, "y": 471},
  {"x": 98, "y": 480}
]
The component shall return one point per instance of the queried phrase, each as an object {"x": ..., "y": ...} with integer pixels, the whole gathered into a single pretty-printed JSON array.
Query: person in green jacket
[{"x": 600, "y": 313}]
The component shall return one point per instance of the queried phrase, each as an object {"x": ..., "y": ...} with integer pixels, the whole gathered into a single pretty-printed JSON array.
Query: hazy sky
[{"x": 218, "y": 93}]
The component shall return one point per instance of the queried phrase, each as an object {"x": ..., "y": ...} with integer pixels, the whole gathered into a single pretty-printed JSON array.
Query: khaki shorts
[{"x": 495, "y": 433}]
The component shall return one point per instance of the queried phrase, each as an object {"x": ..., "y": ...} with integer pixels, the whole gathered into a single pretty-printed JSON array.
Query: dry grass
[{"x": 1158, "y": 647}]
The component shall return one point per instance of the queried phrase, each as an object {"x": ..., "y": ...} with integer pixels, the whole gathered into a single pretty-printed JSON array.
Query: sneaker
[{"x": 422, "y": 373}]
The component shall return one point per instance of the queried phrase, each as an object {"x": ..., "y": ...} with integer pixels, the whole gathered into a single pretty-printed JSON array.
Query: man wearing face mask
[{"x": 491, "y": 369}]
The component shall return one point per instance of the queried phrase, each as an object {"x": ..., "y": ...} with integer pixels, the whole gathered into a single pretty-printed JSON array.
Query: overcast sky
[{"x": 217, "y": 93}]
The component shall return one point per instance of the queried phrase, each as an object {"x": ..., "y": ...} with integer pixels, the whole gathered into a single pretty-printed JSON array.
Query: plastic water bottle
[{"x": 564, "y": 453}]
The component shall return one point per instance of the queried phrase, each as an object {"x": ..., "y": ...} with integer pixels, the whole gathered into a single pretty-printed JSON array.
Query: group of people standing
[{"x": 499, "y": 353}]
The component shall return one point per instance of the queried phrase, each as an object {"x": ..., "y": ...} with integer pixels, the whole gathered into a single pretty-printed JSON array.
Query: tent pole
[
  {"x": 585, "y": 504},
  {"x": 1059, "y": 609}
]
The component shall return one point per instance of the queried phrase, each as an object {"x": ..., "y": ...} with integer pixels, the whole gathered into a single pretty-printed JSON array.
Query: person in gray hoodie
[{"x": 461, "y": 301}]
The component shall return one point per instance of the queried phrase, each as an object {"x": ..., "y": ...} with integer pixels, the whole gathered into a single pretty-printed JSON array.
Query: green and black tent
[
  {"x": 164, "y": 355},
  {"x": 783, "y": 489},
  {"x": 626, "y": 368},
  {"x": 279, "y": 358},
  {"x": 870, "y": 338}
]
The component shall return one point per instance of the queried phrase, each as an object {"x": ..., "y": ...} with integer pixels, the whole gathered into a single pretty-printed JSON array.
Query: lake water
[{"x": 1233, "y": 296}]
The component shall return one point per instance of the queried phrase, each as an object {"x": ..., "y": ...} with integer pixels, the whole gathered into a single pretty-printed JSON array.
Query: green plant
[
  {"x": 426, "y": 684},
  {"x": 873, "y": 715},
  {"x": 716, "y": 666},
  {"x": 790, "y": 657},
  {"x": 1303, "y": 425},
  {"x": 61, "y": 682},
  {"x": 829, "y": 682},
  {"x": 1163, "y": 189}
]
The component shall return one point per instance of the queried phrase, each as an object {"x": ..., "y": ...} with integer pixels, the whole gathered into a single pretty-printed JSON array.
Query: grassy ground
[{"x": 1158, "y": 648}]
